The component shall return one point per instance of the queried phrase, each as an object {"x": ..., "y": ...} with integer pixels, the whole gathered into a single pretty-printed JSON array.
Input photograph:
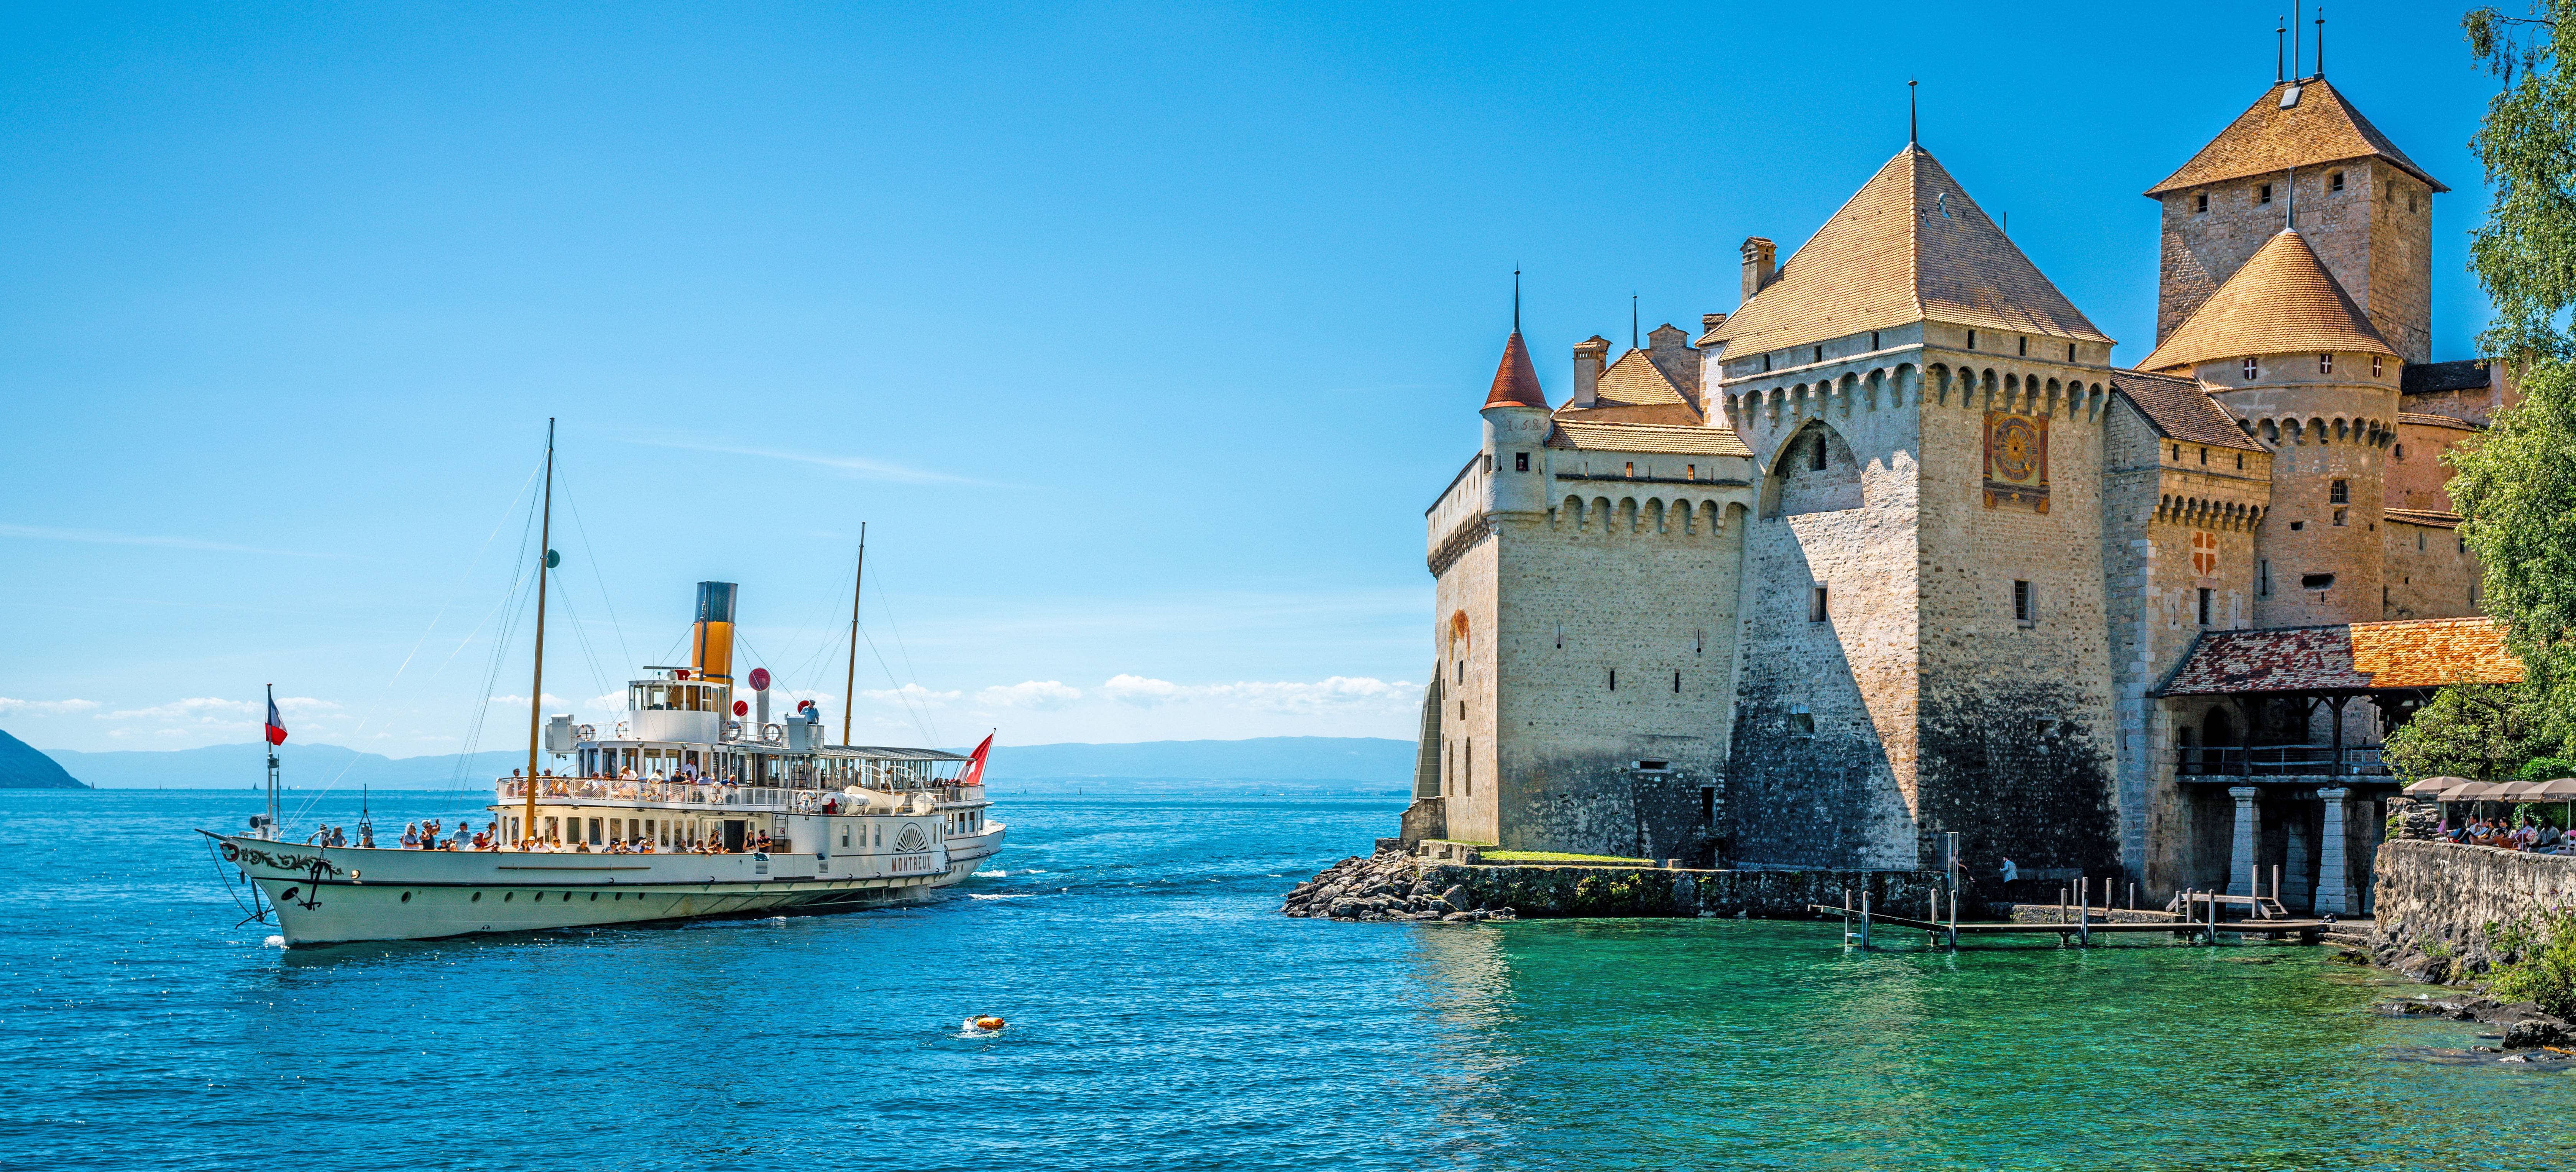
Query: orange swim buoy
[{"x": 988, "y": 1023}]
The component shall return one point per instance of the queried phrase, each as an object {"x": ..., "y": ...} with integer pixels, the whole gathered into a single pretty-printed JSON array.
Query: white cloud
[
  {"x": 1140, "y": 691},
  {"x": 1335, "y": 693},
  {"x": 911, "y": 692},
  {"x": 102, "y": 537},
  {"x": 305, "y": 704},
  {"x": 1042, "y": 695},
  {"x": 855, "y": 465},
  {"x": 52, "y": 706},
  {"x": 551, "y": 701},
  {"x": 201, "y": 708}
]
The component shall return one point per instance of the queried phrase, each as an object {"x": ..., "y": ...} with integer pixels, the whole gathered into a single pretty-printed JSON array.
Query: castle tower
[
  {"x": 2365, "y": 208},
  {"x": 1924, "y": 643},
  {"x": 2290, "y": 353}
]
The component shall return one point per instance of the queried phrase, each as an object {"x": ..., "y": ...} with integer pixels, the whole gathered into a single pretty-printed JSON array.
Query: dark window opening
[
  {"x": 1520, "y": 461},
  {"x": 1816, "y": 458},
  {"x": 1820, "y": 353},
  {"x": 1972, "y": 339},
  {"x": 2334, "y": 182},
  {"x": 2240, "y": 461},
  {"x": 1677, "y": 686},
  {"x": 1816, "y": 605},
  {"x": 2296, "y": 526},
  {"x": 1802, "y": 723},
  {"x": 1873, "y": 339},
  {"x": 2025, "y": 347},
  {"x": 1614, "y": 679},
  {"x": 2316, "y": 581},
  {"x": 2204, "y": 202},
  {"x": 1632, "y": 467},
  {"x": 2022, "y": 602},
  {"x": 2205, "y": 593},
  {"x": 1708, "y": 805},
  {"x": 1653, "y": 766},
  {"x": 2266, "y": 195},
  {"x": 2070, "y": 351},
  {"x": 2339, "y": 493},
  {"x": 2338, "y": 517},
  {"x": 1766, "y": 362},
  {"x": 2263, "y": 578},
  {"x": 2204, "y": 455}
]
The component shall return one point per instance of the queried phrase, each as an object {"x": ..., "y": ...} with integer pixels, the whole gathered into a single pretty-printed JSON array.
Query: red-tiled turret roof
[{"x": 1516, "y": 381}]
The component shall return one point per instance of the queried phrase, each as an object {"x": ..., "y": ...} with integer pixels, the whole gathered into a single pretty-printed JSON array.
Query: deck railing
[
  {"x": 789, "y": 799},
  {"x": 2282, "y": 761}
]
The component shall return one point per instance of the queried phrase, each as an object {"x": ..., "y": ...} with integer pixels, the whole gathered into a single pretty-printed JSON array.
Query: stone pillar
[
  {"x": 2240, "y": 858},
  {"x": 2334, "y": 886}
]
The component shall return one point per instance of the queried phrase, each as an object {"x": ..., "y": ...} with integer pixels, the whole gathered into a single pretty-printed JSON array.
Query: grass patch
[{"x": 1492, "y": 856}]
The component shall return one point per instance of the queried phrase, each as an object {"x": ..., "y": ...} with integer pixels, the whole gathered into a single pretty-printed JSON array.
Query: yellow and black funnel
[{"x": 713, "y": 639}]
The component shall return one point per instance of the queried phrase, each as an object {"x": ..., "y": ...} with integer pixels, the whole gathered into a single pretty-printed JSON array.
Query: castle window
[
  {"x": 1820, "y": 353},
  {"x": 2390, "y": 195},
  {"x": 1816, "y": 605},
  {"x": 2203, "y": 204},
  {"x": 2240, "y": 461},
  {"x": 2263, "y": 578},
  {"x": 2296, "y": 526},
  {"x": 1816, "y": 458},
  {"x": 1690, "y": 471},
  {"x": 1708, "y": 805},
  {"x": 1766, "y": 362},
  {"x": 1802, "y": 723},
  {"x": 2205, "y": 593},
  {"x": 2025, "y": 607},
  {"x": 2070, "y": 351},
  {"x": 2374, "y": 366},
  {"x": 1520, "y": 461},
  {"x": 2177, "y": 453},
  {"x": 2339, "y": 493},
  {"x": 1462, "y": 672},
  {"x": 2252, "y": 369},
  {"x": 2419, "y": 541},
  {"x": 2334, "y": 182},
  {"x": 1677, "y": 683},
  {"x": 1972, "y": 339},
  {"x": 2325, "y": 364},
  {"x": 1873, "y": 339},
  {"x": 1614, "y": 679},
  {"x": 2464, "y": 545},
  {"x": 1632, "y": 467},
  {"x": 2265, "y": 195},
  {"x": 2025, "y": 347},
  {"x": 2204, "y": 455},
  {"x": 2315, "y": 581},
  {"x": 2410, "y": 201}
]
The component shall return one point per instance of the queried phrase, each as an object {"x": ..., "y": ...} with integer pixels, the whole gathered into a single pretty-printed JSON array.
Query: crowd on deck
[{"x": 427, "y": 836}]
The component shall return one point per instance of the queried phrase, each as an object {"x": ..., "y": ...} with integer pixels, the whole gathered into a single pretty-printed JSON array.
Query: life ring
[
  {"x": 988, "y": 1024},
  {"x": 772, "y": 732},
  {"x": 621, "y": 730}
]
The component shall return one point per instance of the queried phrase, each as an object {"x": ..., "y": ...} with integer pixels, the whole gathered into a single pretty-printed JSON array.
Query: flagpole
[
  {"x": 537, "y": 687},
  {"x": 851, "y": 679},
  {"x": 271, "y": 739}
]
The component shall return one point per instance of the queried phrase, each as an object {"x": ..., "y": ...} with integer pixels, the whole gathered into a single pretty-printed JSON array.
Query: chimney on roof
[
  {"x": 1590, "y": 355},
  {"x": 1758, "y": 254}
]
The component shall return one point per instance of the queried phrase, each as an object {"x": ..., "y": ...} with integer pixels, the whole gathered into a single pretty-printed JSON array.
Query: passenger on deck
[{"x": 411, "y": 836}]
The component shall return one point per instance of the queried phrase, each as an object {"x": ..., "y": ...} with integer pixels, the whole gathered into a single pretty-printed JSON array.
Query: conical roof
[
  {"x": 2320, "y": 128},
  {"x": 2283, "y": 301},
  {"x": 1516, "y": 381},
  {"x": 1909, "y": 246}
]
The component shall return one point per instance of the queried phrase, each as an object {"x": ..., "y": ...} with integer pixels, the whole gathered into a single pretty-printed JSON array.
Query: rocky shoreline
[
  {"x": 1386, "y": 886},
  {"x": 2518, "y": 1026}
]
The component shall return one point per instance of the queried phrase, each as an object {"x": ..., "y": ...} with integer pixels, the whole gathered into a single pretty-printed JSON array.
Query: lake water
[{"x": 1164, "y": 1016}]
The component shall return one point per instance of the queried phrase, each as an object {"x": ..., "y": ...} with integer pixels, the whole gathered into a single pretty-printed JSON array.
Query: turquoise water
[{"x": 1163, "y": 1016}]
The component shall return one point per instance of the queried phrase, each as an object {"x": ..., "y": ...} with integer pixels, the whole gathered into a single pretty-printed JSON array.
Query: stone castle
[{"x": 1893, "y": 551}]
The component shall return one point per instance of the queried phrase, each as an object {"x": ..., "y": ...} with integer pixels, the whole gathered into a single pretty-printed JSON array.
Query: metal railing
[
  {"x": 790, "y": 799},
  {"x": 2281, "y": 761}
]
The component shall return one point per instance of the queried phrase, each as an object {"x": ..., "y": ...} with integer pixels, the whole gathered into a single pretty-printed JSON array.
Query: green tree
[
  {"x": 2516, "y": 485},
  {"x": 2483, "y": 732}
]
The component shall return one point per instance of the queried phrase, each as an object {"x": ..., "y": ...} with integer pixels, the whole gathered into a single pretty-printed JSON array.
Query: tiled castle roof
[
  {"x": 2179, "y": 410},
  {"x": 1583, "y": 436},
  {"x": 1908, "y": 246},
  {"x": 1635, "y": 381},
  {"x": 2282, "y": 302},
  {"x": 2421, "y": 653},
  {"x": 1516, "y": 380},
  {"x": 2321, "y": 128}
]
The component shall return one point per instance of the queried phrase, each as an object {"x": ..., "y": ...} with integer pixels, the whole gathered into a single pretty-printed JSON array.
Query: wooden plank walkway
[{"x": 2305, "y": 929}]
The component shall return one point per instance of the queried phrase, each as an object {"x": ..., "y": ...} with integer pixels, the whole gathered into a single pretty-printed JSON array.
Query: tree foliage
[
  {"x": 2483, "y": 732},
  {"x": 2516, "y": 485}
]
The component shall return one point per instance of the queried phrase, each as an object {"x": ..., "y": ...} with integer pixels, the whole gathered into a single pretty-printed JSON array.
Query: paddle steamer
[{"x": 693, "y": 805}]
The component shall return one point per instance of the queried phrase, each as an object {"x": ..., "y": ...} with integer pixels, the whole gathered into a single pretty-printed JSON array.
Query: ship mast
[
  {"x": 537, "y": 687},
  {"x": 851, "y": 679}
]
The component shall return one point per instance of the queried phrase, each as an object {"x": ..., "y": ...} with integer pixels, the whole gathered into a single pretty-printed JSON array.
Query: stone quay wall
[
  {"x": 1544, "y": 892},
  {"x": 2437, "y": 899}
]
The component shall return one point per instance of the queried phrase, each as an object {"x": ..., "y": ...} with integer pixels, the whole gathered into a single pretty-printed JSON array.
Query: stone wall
[
  {"x": 1556, "y": 892},
  {"x": 2430, "y": 574},
  {"x": 2417, "y": 478},
  {"x": 2436, "y": 901},
  {"x": 2373, "y": 237}
]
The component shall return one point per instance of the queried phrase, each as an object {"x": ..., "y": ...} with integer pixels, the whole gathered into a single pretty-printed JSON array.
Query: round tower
[
  {"x": 1516, "y": 429},
  {"x": 2299, "y": 365}
]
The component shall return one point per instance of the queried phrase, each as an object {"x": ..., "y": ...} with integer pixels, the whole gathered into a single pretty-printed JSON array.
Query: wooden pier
[{"x": 2192, "y": 915}]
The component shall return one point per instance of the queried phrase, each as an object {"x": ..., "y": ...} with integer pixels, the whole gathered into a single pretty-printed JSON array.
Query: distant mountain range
[
  {"x": 1360, "y": 763},
  {"x": 22, "y": 767}
]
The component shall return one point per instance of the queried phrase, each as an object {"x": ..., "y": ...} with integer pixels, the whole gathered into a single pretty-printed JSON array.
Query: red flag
[
  {"x": 276, "y": 724},
  {"x": 974, "y": 774}
]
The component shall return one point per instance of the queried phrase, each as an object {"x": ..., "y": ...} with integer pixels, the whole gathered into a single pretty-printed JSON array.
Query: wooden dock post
[
  {"x": 1847, "y": 910},
  {"x": 1864, "y": 917},
  {"x": 2084, "y": 912},
  {"x": 2133, "y": 896}
]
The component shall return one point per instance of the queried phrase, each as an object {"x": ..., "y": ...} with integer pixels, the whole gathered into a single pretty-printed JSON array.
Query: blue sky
[{"x": 1140, "y": 336}]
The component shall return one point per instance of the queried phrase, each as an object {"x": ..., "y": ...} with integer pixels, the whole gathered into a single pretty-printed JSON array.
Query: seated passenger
[{"x": 411, "y": 836}]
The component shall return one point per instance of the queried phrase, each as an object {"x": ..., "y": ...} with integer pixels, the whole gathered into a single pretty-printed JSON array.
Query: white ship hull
[{"x": 341, "y": 894}]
